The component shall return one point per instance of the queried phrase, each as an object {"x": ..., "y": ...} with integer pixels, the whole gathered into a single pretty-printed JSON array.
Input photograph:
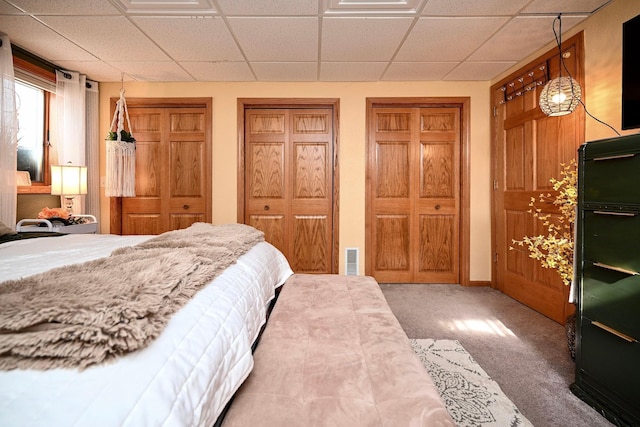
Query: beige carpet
[
  {"x": 523, "y": 351},
  {"x": 472, "y": 398}
]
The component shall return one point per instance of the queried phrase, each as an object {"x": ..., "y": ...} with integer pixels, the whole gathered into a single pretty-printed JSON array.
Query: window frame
[{"x": 29, "y": 64}]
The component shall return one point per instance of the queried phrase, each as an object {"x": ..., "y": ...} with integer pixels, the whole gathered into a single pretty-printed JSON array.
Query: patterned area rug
[{"x": 470, "y": 395}]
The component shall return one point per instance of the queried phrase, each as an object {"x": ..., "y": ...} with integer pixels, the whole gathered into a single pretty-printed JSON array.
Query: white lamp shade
[
  {"x": 68, "y": 180},
  {"x": 560, "y": 96}
]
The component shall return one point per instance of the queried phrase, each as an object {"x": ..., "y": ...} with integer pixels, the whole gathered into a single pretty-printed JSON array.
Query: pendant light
[{"x": 561, "y": 95}]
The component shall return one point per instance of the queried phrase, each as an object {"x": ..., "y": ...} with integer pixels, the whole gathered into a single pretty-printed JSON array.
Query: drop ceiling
[{"x": 287, "y": 40}]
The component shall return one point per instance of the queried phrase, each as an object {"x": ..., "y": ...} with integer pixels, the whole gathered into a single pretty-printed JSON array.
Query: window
[
  {"x": 30, "y": 102},
  {"x": 35, "y": 102}
]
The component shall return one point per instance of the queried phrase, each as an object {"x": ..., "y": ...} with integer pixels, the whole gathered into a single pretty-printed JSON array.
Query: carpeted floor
[{"x": 523, "y": 351}]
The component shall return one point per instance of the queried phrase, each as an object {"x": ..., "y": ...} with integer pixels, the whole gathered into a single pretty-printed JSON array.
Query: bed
[
  {"x": 332, "y": 352},
  {"x": 183, "y": 377}
]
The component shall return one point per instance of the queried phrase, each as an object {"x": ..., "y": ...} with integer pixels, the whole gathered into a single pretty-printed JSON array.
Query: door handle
[
  {"x": 266, "y": 207},
  {"x": 185, "y": 207}
]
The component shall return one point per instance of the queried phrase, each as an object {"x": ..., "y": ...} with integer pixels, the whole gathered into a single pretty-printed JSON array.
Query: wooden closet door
[
  {"x": 172, "y": 170},
  {"x": 414, "y": 195},
  {"x": 288, "y": 183},
  {"x": 529, "y": 149}
]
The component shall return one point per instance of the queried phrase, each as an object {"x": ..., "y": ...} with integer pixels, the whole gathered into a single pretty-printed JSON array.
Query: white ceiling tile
[
  {"x": 219, "y": 71},
  {"x": 362, "y": 39},
  {"x": 286, "y": 40},
  {"x": 478, "y": 70},
  {"x": 447, "y": 39},
  {"x": 191, "y": 38},
  {"x": 95, "y": 70},
  {"x": 277, "y": 39},
  {"x": 555, "y": 7},
  {"x": 6, "y": 8},
  {"x": 368, "y": 7},
  {"x": 473, "y": 8},
  {"x": 153, "y": 71},
  {"x": 67, "y": 7},
  {"x": 285, "y": 71},
  {"x": 520, "y": 37},
  {"x": 269, "y": 7},
  {"x": 29, "y": 34},
  {"x": 412, "y": 71},
  {"x": 110, "y": 38},
  {"x": 164, "y": 7},
  {"x": 352, "y": 71}
]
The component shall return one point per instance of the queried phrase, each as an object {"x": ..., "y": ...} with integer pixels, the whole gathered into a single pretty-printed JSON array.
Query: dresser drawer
[
  {"x": 612, "y": 298},
  {"x": 608, "y": 179},
  {"x": 610, "y": 363},
  {"x": 612, "y": 238}
]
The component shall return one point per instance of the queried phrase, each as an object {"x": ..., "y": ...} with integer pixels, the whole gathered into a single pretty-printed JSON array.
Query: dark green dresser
[{"x": 608, "y": 278}]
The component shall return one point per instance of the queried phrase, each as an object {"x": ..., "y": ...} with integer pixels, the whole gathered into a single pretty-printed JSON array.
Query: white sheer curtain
[
  {"x": 93, "y": 150},
  {"x": 71, "y": 111},
  {"x": 8, "y": 136}
]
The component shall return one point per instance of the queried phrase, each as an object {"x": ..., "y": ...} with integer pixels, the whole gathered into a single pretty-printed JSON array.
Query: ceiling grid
[{"x": 287, "y": 40}]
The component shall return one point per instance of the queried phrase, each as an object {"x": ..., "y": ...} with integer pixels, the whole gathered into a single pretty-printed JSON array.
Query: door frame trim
[
  {"x": 115, "y": 203},
  {"x": 334, "y": 104},
  {"x": 464, "y": 103}
]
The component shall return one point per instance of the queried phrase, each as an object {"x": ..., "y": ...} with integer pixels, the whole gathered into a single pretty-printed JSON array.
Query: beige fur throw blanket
[{"x": 84, "y": 314}]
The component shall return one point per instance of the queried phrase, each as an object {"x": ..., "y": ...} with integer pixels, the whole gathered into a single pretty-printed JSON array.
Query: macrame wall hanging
[{"x": 121, "y": 154}]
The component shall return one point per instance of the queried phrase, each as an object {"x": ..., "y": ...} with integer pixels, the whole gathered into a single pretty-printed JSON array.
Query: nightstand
[{"x": 34, "y": 226}]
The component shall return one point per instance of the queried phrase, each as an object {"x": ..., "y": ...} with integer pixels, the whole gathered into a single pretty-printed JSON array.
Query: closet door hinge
[
  {"x": 495, "y": 111},
  {"x": 495, "y": 257},
  {"x": 495, "y": 184}
]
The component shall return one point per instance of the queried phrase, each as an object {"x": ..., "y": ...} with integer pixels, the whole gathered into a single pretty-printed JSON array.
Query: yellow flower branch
[{"x": 555, "y": 249}]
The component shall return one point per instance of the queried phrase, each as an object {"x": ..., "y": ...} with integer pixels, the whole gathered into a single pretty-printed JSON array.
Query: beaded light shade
[{"x": 560, "y": 96}]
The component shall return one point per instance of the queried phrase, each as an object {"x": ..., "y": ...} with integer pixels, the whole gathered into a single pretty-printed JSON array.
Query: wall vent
[{"x": 351, "y": 257}]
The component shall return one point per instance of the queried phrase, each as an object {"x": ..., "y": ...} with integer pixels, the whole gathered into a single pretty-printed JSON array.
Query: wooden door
[
  {"x": 288, "y": 183},
  {"x": 173, "y": 169},
  {"x": 413, "y": 194},
  {"x": 529, "y": 149}
]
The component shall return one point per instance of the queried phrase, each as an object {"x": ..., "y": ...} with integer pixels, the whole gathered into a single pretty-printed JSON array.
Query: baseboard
[{"x": 479, "y": 283}]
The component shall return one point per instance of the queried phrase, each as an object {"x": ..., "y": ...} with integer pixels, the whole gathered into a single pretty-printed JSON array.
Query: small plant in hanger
[
  {"x": 121, "y": 153},
  {"x": 124, "y": 136}
]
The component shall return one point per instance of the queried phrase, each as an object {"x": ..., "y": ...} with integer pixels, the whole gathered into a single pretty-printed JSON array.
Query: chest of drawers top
[{"x": 611, "y": 174}]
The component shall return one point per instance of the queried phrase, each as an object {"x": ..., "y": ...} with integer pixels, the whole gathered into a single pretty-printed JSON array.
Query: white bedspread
[{"x": 183, "y": 378}]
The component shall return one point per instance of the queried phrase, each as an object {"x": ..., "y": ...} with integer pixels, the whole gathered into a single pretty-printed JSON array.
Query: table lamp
[{"x": 68, "y": 181}]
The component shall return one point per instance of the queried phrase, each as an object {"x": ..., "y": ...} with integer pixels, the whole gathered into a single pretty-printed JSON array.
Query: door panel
[
  {"x": 188, "y": 175},
  {"x": 173, "y": 167},
  {"x": 413, "y": 196},
  {"x": 142, "y": 214},
  {"x": 310, "y": 245},
  {"x": 392, "y": 243},
  {"x": 437, "y": 249},
  {"x": 393, "y": 169},
  {"x": 265, "y": 144},
  {"x": 288, "y": 176},
  {"x": 528, "y": 150}
]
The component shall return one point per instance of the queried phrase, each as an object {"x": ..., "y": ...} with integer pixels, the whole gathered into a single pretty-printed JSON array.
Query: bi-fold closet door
[{"x": 289, "y": 183}]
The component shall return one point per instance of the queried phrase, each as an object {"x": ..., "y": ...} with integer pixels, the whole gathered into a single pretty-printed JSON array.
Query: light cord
[{"x": 564, "y": 65}]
